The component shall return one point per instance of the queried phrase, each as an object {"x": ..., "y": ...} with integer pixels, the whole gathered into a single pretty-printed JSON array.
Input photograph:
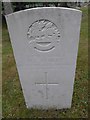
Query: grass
[{"x": 13, "y": 100}]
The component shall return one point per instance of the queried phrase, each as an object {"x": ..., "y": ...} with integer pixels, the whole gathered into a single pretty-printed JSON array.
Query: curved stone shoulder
[{"x": 40, "y": 8}]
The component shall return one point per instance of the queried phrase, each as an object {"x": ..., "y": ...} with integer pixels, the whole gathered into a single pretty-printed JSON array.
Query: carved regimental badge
[{"x": 44, "y": 35}]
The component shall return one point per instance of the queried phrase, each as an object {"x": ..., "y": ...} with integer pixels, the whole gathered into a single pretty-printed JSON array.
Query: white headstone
[{"x": 45, "y": 45}]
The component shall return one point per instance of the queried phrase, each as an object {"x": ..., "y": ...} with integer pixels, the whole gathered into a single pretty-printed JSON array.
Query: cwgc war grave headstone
[{"x": 45, "y": 45}]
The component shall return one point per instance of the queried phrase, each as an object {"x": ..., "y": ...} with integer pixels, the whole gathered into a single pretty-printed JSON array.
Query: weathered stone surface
[{"x": 45, "y": 45}]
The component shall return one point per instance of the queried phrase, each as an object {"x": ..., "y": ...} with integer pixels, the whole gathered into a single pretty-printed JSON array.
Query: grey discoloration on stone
[{"x": 46, "y": 85}]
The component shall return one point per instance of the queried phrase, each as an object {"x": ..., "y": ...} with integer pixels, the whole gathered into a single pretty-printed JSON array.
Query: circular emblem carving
[{"x": 43, "y": 34}]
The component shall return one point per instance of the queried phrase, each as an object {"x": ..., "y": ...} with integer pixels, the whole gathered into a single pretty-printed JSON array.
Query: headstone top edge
[{"x": 38, "y": 8}]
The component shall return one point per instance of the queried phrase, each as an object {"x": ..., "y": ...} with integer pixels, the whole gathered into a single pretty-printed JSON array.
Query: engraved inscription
[{"x": 44, "y": 34}]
